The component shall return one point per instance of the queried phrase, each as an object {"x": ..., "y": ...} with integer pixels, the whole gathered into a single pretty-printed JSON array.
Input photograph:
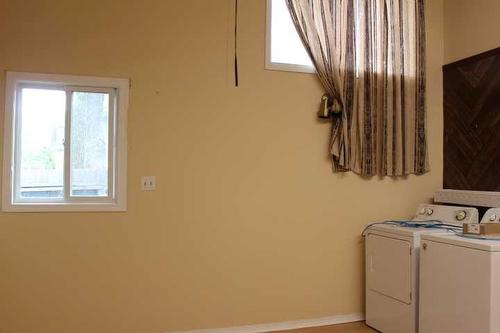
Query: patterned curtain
[{"x": 370, "y": 58}]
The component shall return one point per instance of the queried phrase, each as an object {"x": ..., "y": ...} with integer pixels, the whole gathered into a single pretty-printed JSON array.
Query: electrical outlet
[{"x": 148, "y": 183}]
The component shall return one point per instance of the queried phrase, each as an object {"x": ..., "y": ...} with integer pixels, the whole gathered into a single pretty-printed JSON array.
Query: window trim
[
  {"x": 279, "y": 66},
  {"x": 14, "y": 81}
]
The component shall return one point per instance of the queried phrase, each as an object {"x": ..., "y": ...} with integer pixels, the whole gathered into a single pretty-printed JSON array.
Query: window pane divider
[
  {"x": 67, "y": 145},
  {"x": 112, "y": 125},
  {"x": 16, "y": 168}
]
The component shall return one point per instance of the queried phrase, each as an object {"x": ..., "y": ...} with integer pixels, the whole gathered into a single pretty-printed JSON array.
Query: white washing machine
[
  {"x": 460, "y": 283},
  {"x": 392, "y": 257}
]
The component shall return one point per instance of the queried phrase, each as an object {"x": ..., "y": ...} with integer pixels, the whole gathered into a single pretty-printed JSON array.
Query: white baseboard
[{"x": 283, "y": 326}]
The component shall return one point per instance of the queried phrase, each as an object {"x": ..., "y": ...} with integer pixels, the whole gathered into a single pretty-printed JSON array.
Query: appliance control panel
[
  {"x": 492, "y": 215},
  {"x": 448, "y": 214}
]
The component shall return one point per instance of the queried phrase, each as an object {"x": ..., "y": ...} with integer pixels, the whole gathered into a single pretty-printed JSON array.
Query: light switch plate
[{"x": 148, "y": 183}]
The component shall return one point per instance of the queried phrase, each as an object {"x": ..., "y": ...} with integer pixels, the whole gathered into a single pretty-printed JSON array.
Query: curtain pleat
[{"x": 370, "y": 58}]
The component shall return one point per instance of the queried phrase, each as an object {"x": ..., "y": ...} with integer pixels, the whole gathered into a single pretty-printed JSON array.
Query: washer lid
[
  {"x": 404, "y": 231},
  {"x": 472, "y": 243}
]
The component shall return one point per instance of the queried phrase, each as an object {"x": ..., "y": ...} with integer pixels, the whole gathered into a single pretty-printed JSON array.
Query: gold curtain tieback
[{"x": 329, "y": 107}]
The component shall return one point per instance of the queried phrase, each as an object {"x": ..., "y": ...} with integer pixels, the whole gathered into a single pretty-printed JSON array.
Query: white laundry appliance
[
  {"x": 392, "y": 252},
  {"x": 460, "y": 282}
]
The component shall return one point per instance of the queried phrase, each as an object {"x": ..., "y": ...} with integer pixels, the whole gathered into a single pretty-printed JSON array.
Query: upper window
[
  {"x": 284, "y": 49},
  {"x": 65, "y": 143}
]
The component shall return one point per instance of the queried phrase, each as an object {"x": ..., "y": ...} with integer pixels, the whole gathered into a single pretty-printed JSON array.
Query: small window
[
  {"x": 284, "y": 49},
  {"x": 65, "y": 143}
]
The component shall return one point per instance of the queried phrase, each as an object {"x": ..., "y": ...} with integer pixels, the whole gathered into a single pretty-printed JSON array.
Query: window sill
[
  {"x": 277, "y": 66},
  {"x": 63, "y": 207}
]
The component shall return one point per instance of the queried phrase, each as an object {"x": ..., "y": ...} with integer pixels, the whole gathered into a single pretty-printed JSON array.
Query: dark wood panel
[{"x": 472, "y": 123}]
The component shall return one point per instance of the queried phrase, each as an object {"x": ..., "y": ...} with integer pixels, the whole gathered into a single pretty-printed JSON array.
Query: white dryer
[
  {"x": 392, "y": 267},
  {"x": 460, "y": 283}
]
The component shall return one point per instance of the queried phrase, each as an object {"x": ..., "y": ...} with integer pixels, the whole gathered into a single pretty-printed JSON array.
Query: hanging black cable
[{"x": 236, "y": 43}]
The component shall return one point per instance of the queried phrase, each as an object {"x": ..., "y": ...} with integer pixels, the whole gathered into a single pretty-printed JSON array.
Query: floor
[{"x": 345, "y": 328}]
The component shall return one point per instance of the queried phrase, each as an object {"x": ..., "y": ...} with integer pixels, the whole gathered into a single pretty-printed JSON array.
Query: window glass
[
  {"x": 41, "y": 151},
  {"x": 286, "y": 46},
  {"x": 89, "y": 144}
]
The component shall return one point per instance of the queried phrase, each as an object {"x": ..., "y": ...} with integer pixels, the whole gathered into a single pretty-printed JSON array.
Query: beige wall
[
  {"x": 248, "y": 224},
  {"x": 470, "y": 27}
]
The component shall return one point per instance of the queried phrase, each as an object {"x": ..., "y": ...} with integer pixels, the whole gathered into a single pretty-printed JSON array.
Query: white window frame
[
  {"x": 117, "y": 164},
  {"x": 279, "y": 66}
]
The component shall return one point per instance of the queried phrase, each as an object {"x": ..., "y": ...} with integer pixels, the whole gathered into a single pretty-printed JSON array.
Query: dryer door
[{"x": 388, "y": 267}]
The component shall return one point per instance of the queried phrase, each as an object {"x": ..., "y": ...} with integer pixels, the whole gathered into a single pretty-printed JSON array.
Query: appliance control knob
[
  {"x": 430, "y": 211},
  {"x": 493, "y": 217},
  {"x": 422, "y": 211},
  {"x": 461, "y": 215}
]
